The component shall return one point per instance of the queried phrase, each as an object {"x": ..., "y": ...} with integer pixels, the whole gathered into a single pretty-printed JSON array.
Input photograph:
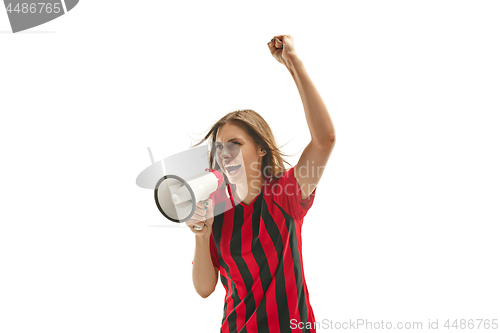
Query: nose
[
  {"x": 226, "y": 152},
  {"x": 226, "y": 159}
]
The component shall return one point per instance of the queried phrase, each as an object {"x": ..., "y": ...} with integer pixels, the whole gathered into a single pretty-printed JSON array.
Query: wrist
[
  {"x": 292, "y": 61},
  {"x": 202, "y": 238}
]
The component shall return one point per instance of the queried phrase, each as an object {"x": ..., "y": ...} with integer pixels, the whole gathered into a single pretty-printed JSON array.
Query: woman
[{"x": 250, "y": 229}]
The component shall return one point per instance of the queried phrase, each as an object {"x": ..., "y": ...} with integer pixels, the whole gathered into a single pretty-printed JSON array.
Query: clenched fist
[
  {"x": 282, "y": 49},
  {"x": 203, "y": 218}
]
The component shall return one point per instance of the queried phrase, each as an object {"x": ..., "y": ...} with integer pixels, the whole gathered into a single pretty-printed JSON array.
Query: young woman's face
[{"x": 237, "y": 154}]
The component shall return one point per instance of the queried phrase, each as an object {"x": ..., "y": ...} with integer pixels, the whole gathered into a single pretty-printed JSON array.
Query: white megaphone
[{"x": 176, "y": 198}]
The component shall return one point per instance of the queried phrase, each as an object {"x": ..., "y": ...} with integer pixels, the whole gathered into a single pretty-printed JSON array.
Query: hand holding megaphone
[{"x": 203, "y": 218}]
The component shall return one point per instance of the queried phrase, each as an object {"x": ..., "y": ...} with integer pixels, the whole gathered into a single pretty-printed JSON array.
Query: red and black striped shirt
[{"x": 258, "y": 251}]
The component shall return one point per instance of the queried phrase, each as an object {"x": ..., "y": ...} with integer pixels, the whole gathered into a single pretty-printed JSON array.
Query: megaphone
[{"x": 176, "y": 198}]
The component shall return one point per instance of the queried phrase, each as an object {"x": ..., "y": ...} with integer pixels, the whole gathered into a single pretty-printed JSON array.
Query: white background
[{"x": 405, "y": 224}]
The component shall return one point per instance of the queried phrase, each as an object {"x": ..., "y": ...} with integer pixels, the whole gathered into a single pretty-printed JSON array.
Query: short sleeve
[
  {"x": 214, "y": 254},
  {"x": 286, "y": 193}
]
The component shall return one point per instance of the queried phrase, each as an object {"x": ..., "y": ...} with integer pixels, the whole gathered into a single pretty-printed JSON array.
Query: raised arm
[{"x": 312, "y": 162}]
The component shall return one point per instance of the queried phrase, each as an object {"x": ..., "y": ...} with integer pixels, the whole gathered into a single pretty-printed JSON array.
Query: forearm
[
  {"x": 204, "y": 275},
  {"x": 317, "y": 116}
]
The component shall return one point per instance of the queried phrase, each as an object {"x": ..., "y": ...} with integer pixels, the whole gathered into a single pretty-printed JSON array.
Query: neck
[{"x": 248, "y": 190}]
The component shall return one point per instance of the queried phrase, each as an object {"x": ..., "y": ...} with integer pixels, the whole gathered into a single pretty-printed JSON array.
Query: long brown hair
[{"x": 258, "y": 129}]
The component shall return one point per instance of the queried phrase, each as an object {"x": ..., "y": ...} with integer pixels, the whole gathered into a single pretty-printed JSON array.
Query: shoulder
[{"x": 281, "y": 186}]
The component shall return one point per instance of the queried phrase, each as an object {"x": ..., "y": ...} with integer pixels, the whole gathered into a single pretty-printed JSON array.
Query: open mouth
[{"x": 232, "y": 168}]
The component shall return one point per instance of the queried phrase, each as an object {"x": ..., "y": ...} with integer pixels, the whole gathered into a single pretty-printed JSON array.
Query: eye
[{"x": 229, "y": 145}]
